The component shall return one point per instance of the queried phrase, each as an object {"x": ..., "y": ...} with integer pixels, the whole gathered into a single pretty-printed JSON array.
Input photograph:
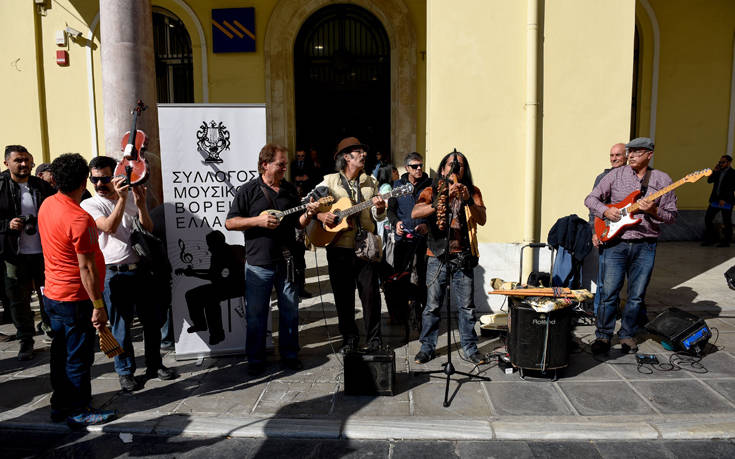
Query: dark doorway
[{"x": 342, "y": 80}]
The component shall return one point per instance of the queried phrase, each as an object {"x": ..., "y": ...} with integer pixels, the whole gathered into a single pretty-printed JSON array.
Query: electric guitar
[
  {"x": 607, "y": 230},
  {"x": 280, "y": 214},
  {"x": 321, "y": 235}
]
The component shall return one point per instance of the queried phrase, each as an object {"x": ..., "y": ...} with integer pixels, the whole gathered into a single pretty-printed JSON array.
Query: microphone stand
[{"x": 447, "y": 367}]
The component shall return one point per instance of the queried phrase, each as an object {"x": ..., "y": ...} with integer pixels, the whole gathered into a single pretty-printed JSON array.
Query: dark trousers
[
  {"x": 20, "y": 275},
  {"x": 204, "y": 310},
  {"x": 710, "y": 234},
  {"x": 72, "y": 354},
  {"x": 407, "y": 286},
  {"x": 128, "y": 293},
  {"x": 346, "y": 272}
]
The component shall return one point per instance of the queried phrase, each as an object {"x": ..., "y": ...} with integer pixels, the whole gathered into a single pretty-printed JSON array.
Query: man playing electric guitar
[{"x": 633, "y": 251}]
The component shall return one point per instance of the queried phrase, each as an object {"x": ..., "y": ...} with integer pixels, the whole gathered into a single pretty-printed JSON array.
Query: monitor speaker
[{"x": 683, "y": 330}]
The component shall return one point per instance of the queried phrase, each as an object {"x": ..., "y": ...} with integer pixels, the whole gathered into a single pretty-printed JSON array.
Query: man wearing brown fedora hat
[{"x": 346, "y": 270}]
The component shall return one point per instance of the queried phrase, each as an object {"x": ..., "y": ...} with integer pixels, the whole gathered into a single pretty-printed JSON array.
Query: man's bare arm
[{"x": 90, "y": 280}]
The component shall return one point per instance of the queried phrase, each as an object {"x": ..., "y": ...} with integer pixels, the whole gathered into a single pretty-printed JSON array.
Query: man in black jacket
[
  {"x": 721, "y": 199},
  {"x": 21, "y": 195},
  {"x": 408, "y": 284}
]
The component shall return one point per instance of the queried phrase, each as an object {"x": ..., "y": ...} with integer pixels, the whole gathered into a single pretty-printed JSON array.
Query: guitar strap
[
  {"x": 267, "y": 195},
  {"x": 285, "y": 250},
  {"x": 644, "y": 182},
  {"x": 355, "y": 199}
]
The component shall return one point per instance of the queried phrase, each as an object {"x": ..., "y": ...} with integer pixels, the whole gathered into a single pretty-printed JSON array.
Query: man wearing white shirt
[{"x": 127, "y": 283}]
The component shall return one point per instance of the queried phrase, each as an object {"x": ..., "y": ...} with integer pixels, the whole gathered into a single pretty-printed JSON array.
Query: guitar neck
[
  {"x": 294, "y": 209},
  {"x": 634, "y": 207},
  {"x": 362, "y": 206}
]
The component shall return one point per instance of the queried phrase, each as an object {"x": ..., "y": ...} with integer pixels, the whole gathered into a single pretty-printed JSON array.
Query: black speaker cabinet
[
  {"x": 685, "y": 331},
  {"x": 370, "y": 373},
  {"x": 538, "y": 340}
]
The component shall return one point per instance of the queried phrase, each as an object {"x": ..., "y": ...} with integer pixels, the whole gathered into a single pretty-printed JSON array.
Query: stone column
[{"x": 129, "y": 74}]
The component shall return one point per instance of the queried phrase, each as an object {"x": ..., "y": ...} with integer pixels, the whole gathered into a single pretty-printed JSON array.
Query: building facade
[{"x": 534, "y": 92}]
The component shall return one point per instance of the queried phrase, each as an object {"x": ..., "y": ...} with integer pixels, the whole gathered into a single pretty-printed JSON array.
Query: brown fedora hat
[{"x": 348, "y": 144}]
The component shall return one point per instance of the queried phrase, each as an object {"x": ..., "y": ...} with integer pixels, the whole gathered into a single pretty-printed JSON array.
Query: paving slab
[
  {"x": 288, "y": 399},
  {"x": 682, "y": 397},
  {"x": 527, "y": 398},
  {"x": 468, "y": 399},
  {"x": 600, "y": 398},
  {"x": 590, "y": 430},
  {"x": 414, "y": 428}
]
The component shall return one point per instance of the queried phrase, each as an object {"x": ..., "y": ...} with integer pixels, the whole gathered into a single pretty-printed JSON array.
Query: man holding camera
[{"x": 21, "y": 195}]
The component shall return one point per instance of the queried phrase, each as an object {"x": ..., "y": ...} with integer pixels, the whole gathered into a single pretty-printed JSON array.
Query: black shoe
[
  {"x": 163, "y": 373},
  {"x": 128, "y": 383},
  {"x": 26, "y": 350},
  {"x": 349, "y": 344},
  {"x": 256, "y": 368},
  {"x": 374, "y": 345},
  {"x": 628, "y": 346},
  {"x": 478, "y": 358},
  {"x": 58, "y": 415},
  {"x": 423, "y": 357},
  {"x": 305, "y": 294},
  {"x": 600, "y": 346},
  {"x": 216, "y": 338},
  {"x": 292, "y": 364},
  {"x": 194, "y": 329},
  {"x": 167, "y": 346}
]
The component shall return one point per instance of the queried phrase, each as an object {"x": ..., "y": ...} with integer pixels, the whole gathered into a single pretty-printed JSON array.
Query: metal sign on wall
[
  {"x": 207, "y": 153},
  {"x": 233, "y": 30}
]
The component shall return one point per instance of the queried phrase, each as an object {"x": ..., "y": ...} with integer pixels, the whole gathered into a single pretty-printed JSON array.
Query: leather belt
[{"x": 123, "y": 268}]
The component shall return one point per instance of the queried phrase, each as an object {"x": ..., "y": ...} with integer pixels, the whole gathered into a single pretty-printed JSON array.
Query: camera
[{"x": 29, "y": 224}]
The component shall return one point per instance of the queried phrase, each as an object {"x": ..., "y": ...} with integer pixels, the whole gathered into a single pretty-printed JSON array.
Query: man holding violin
[
  {"x": 453, "y": 219},
  {"x": 127, "y": 284}
]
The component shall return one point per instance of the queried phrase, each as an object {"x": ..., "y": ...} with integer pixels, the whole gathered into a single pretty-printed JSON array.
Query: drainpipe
[
  {"x": 529, "y": 220},
  {"x": 41, "y": 87},
  {"x": 90, "y": 88}
]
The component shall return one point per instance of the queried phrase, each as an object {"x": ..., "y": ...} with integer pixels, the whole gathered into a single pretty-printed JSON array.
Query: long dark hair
[{"x": 466, "y": 178}]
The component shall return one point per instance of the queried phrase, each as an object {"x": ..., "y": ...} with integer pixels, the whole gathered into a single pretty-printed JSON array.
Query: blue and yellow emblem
[{"x": 233, "y": 30}]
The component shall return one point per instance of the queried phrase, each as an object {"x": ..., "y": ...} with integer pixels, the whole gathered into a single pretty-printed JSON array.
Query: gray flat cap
[
  {"x": 640, "y": 142},
  {"x": 43, "y": 167}
]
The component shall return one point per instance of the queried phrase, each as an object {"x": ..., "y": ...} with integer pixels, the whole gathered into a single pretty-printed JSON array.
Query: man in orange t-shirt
[{"x": 75, "y": 269}]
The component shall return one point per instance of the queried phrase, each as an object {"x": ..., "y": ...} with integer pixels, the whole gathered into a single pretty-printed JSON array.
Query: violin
[{"x": 133, "y": 166}]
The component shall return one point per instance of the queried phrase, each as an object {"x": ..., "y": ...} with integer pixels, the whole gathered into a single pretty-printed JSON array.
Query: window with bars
[{"x": 174, "y": 69}]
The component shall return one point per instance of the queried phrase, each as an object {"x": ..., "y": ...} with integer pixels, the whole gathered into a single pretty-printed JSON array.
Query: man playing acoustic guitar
[
  {"x": 633, "y": 251},
  {"x": 346, "y": 270}
]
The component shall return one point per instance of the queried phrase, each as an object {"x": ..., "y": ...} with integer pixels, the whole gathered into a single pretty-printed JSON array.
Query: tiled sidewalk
[{"x": 606, "y": 398}]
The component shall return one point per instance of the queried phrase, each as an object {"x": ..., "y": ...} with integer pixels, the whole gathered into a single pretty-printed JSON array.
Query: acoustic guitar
[
  {"x": 607, "y": 230},
  {"x": 322, "y": 235},
  {"x": 280, "y": 214}
]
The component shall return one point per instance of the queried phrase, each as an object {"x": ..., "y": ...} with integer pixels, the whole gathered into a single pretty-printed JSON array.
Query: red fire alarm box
[{"x": 62, "y": 57}]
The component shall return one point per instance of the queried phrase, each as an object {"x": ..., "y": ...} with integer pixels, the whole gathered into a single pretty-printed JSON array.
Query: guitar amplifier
[
  {"x": 370, "y": 373},
  {"x": 538, "y": 340},
  {"x": 685, "y": 331}
]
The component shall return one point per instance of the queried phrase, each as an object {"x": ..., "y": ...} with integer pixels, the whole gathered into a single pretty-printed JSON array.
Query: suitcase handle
[{"x": 535, "y": 245}]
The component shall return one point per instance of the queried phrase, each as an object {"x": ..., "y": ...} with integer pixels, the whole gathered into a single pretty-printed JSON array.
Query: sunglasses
[
  {"x": 106, "y": 179},
  {"x": 415, "y": 166}
]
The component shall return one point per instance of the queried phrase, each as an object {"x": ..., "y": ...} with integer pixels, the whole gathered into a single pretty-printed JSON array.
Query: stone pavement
[{"x": 606, "y": 399}]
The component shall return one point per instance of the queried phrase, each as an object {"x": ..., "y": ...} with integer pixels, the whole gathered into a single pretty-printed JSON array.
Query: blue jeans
[
  {"x": 259, "y": 282},
  {"x": 634, "y": 260},
  {"x": 72, "y": 353},
  {"x": 127, "y": 293},
  {"x": 598, "y": 293},
  {"x": 462, "y": 290}
]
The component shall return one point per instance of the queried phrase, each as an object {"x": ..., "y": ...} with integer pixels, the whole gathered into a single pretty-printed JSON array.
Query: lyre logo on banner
[{"x": 213, "y": 139}]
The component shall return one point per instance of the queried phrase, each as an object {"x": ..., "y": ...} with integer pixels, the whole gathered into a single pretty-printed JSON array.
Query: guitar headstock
[
  {"x": 402, "y": 190},
  {"x": 325, "y": 201},
  {"x": 696, "y": 175}
]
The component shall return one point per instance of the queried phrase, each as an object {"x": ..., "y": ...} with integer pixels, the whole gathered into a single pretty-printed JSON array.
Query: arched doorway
[{"x": 342, "y": 80}]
